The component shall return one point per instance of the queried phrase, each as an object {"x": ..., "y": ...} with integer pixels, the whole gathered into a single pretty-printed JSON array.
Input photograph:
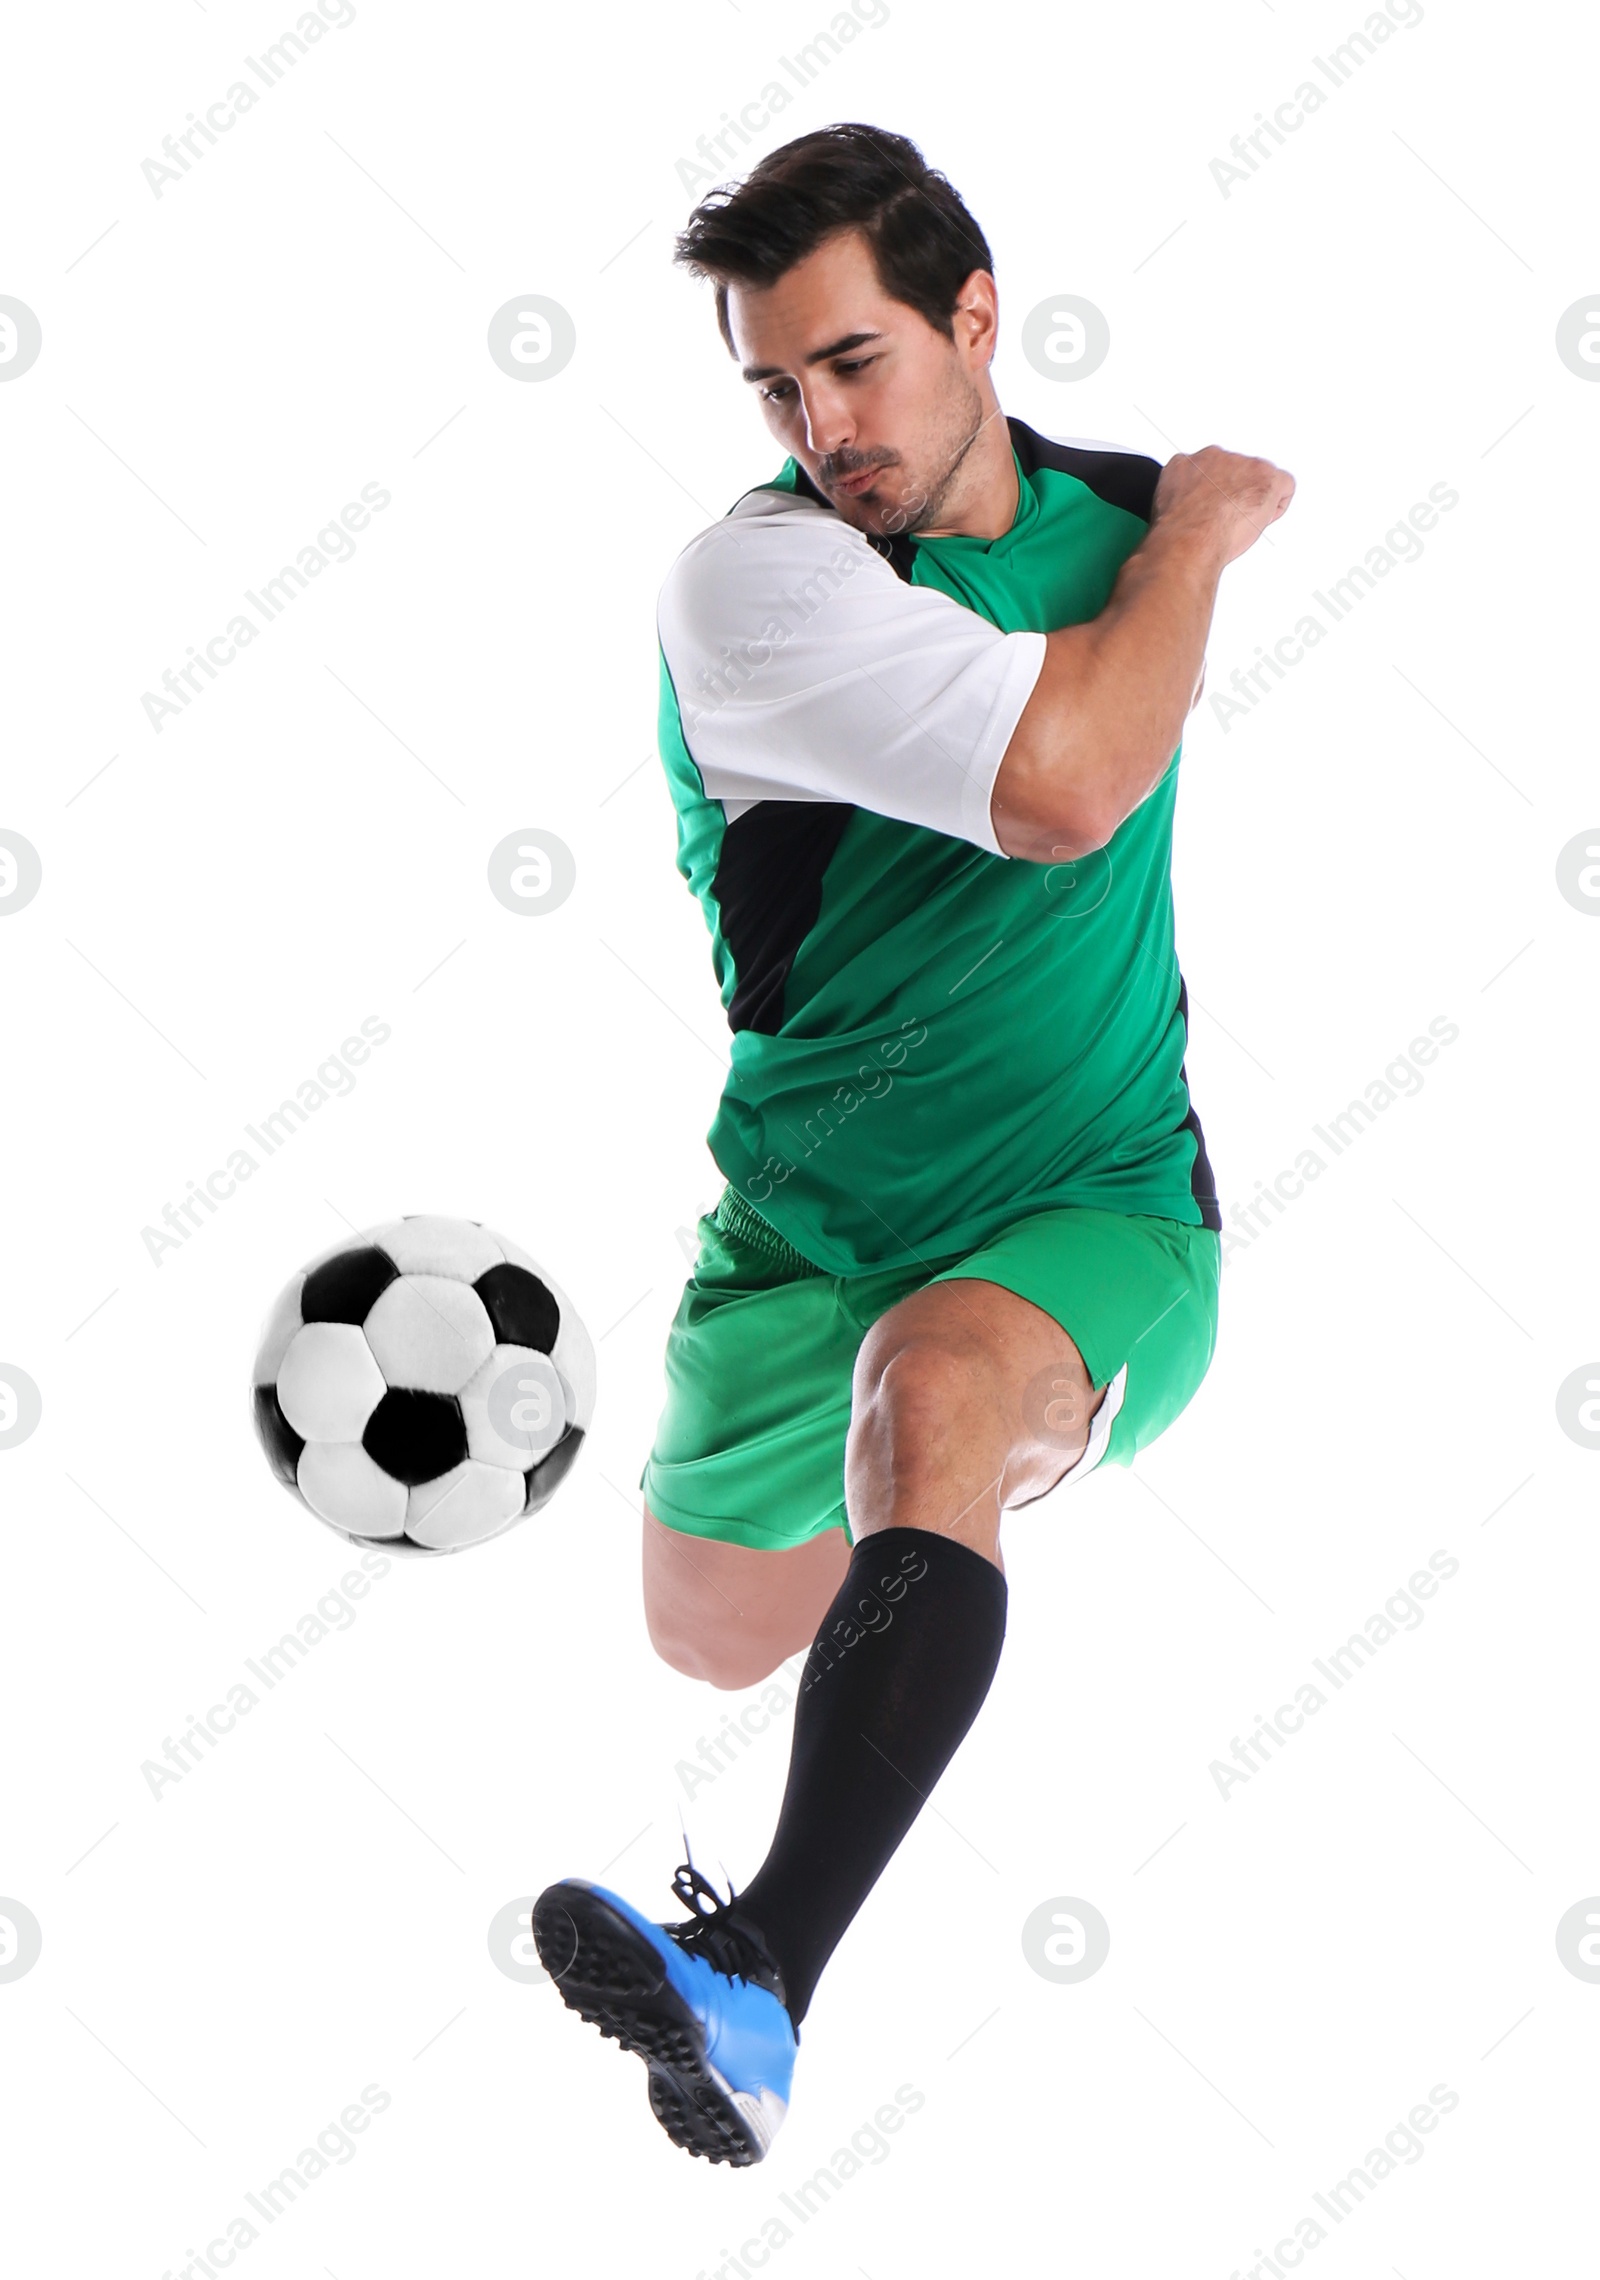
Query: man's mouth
[{"x": 853, "y": 485}]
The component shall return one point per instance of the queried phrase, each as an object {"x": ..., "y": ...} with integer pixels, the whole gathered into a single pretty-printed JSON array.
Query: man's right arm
[{"x": 1107, "y": 711}]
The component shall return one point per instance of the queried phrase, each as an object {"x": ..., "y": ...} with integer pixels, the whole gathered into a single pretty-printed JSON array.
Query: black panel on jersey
[
  {"x": 806, "y": 489},
  {"x": 769, "y": 890},
  {"x": 1202, "y": 1180},
  {"x": 1122, "y": 478},
  {"x": 898, "y": 548}
]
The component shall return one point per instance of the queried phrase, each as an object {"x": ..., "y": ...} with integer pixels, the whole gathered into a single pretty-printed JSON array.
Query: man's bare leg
[{"x": 729, "y": 1613}]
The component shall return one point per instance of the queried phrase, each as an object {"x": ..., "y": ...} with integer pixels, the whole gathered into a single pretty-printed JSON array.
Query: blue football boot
[{"x": 701, "y": 2003}]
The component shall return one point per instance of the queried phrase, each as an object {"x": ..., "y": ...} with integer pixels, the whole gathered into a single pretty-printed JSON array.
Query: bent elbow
[
  {"x": 1082, "y": 836},
  {"x": 1054, "y": 831}
]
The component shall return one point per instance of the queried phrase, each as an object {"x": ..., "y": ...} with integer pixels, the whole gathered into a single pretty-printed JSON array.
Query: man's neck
[{"x": 986, "y": 494}]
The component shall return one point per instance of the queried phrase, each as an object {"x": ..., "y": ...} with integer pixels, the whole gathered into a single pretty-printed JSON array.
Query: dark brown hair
[{"x": 924, "y": 242}]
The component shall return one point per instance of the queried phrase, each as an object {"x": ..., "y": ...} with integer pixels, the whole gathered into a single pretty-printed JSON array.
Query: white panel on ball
[
  {"x": 515, "y": 1408},
  {"x": 328, "y": 1382},
  {"x": 464, "y": 1506},
  {"x": 279, "y": 1327},
  {"x": 574, "y": 1360},
  {"x": 343, "y": 1486},
  {"x": 429, "y": 1333},
  {"x": 429, "y": 1245}
]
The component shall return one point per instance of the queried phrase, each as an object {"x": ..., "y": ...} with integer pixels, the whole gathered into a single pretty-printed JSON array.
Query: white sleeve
[{"x": 805, "y": 668}]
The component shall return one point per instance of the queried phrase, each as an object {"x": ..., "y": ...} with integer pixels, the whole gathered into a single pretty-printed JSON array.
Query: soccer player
[{"x": 922, "y": 697}]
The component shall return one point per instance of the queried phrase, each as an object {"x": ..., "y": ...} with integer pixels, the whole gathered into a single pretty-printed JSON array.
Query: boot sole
[{"x": 606, "y": 1971}]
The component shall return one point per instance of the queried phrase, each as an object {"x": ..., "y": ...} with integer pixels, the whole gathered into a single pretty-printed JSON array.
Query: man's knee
[
  {"x": 712, "y": 1654},
  {"x": 939, "y": 1400},
  {"x": 729, "y": 1616},
  {"x": 912, "y": 1392}
]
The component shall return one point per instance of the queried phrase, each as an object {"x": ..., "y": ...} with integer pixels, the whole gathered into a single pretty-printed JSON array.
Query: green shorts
[{"x": 762, "y": 1349}]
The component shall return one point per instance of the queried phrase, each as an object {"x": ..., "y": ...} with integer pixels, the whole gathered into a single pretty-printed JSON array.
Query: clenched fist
[{"x": 1224, "y": 495}]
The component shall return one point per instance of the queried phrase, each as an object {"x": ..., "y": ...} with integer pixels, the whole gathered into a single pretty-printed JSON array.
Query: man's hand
[{"x": 1224, "y": 495}]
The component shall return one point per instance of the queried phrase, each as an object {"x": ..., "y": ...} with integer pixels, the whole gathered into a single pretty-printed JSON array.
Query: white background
[{"x": 224, "y": 1968}]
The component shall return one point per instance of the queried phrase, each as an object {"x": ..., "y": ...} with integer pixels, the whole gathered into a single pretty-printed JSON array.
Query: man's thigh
[{"x": 1137, "y": 1297}]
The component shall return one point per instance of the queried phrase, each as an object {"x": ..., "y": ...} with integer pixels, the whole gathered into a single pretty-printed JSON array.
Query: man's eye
[{"x": 781, "y": 393}]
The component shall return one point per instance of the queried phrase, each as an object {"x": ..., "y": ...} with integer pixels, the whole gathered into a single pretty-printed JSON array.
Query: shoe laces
[{"x": 718, "y": 1931}]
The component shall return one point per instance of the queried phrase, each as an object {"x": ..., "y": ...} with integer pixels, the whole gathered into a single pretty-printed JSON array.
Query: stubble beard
[{"x": 925, "y": 509}]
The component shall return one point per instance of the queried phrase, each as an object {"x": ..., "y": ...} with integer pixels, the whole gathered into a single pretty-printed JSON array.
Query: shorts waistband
[{"x": 733, "y": 1216}]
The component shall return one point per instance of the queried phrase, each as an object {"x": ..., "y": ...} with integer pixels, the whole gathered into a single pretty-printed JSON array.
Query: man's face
[{"x": 854, "y": 384}]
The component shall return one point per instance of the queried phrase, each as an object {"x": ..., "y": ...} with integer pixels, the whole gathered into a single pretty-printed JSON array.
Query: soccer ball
[{"x": 423, "y": 1386}]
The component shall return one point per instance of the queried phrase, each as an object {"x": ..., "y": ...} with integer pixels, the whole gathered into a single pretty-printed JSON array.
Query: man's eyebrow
[{"x": 817, "y": 355}]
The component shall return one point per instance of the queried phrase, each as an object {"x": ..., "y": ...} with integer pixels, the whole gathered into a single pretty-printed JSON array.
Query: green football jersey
[{"x": 930, "y": 1040}]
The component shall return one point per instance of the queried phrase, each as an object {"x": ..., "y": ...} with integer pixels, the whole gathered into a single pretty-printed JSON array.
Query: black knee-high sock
[{"x": 895, "y": 1677}]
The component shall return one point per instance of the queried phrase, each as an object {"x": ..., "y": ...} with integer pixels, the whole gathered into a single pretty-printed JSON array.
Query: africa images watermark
[
  {"x": 876, "y": 1081},
  {"x": 737, "y": 1732},
  {"x": 870, "y": 1610},
  {"x": 1401, "y": 1080},
  {"x": 333, "y": 543},
  {"x": 1400, "y": 1612},
  {"x": 333, "y": 1079},
  {"x": 1402, "y": 542},
  {"x": 1403, "y": 2143},
  {"x": 869, "y": 2145},
  {"x": 271, "y": 67},
  {"x": 336, "y": 2142},
  {"x": 803, "y": 67},
  {"x": 1251, "y": 151},
  {"x": 333, "y": 1612}
]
